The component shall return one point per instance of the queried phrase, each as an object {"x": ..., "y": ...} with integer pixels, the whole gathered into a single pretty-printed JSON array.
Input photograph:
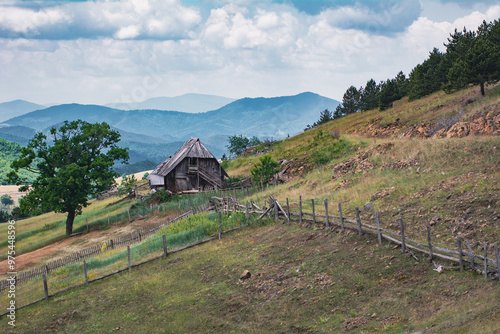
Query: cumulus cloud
[
  {"x": 139, "y": 19},
  {"x": 99, "y": 52}
]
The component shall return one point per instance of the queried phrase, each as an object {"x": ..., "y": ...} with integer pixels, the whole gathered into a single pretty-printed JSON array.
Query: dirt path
[{"x": 74, "y": 244}]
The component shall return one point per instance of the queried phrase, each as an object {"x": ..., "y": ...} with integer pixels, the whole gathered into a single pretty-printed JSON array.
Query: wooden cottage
[{"x": 191, "y": 169}]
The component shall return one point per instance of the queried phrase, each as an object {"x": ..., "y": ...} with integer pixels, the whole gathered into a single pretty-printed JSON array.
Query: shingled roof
[{"x": 193, "y": 148}]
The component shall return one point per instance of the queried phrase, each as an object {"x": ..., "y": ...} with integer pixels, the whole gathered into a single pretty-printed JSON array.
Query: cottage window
[{"x": 192, "y": 161}]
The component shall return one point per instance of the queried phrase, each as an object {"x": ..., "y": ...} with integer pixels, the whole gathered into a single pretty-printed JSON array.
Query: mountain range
[{"x": 153, "y": 134}]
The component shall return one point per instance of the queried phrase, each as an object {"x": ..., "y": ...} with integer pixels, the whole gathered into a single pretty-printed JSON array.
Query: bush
[{"x": 264, "y": 169}]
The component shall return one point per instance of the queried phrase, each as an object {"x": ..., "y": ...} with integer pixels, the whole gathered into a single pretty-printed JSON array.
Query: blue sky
[{"x": 128, "y": 51}]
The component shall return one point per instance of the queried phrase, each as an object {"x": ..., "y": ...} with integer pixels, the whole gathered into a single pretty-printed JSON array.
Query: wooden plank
[
  {"x": 220, "y": 224},
  {"x": 498, "y": 261},
  {"x": 358, "y": 220},
  {"x": 402, "y": 230},
  {"x": 326, "y": 213},
  {"x": 165, "y": 251},
  {"x": 45, "y": 287},
  {"x": 429, "y": 242},
  {"x": 460, "y": 258},
  {"x": 341, "y": 218},
  {"x": 300, "y": 209},
  {"x": 85, "y": 272},
  {"x": 471, "y": 255},
  {"x": 485, "y": 246},
  {"x": 313, "y": 211},
  {"x": 129, "y": 264},
  {"x": 377, "y": 221}
]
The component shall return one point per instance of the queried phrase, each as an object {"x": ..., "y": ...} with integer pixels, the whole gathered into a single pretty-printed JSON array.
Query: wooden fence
[
  {"x": 95, "y": 250},
  {"x": 125, "y": 240},
  {"x": 487, "y": 266}
]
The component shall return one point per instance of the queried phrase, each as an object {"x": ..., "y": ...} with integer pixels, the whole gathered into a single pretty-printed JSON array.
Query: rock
[
  {"x": 368, "y": 205},
  {"x": 469, "y": 211},
  {"x": 246, "y": 275}
]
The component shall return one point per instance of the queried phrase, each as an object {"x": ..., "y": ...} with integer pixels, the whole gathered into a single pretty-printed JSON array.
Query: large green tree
[{"x": 73, "y": 164}]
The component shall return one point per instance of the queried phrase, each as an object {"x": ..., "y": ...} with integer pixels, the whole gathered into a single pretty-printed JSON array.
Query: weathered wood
[
  {"x": 429, "y": 242},
  {"x": 247, "y": 215},
  {"x": 220, "y": 224},
  {"x": 341, "y": 218},
  {"x": 45, "y": 287},
  {"x": 87, "y": 223},
  {"x": 471, "y": 255},
  {"x": 128, "y": 211},
  {"x": 108, "y": 218},
  {"x": 288, "y": 209},
  {"x": 358, "y": 220},
  {"x": 377, "y": 221},
  {"x": 165, "y": 251},
  {"x": 402, "y": 230},
  {"x": 460, "y": 257},
  {"x": 129, "y": 263},
  {"x": 326, "y": 213},
  {"x": 85, "y": 272},
  {"x": 313, "y": 211},
  {"x": 300, "y": 209},
  {"x": 485, "y": 246},
  {"x": 498, "y": 261},
  {"x": 275, "y": 210},
  {"x": 283, "y": 211}
]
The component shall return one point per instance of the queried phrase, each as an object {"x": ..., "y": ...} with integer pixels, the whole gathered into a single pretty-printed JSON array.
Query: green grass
[{"x": 302, "y": 281}]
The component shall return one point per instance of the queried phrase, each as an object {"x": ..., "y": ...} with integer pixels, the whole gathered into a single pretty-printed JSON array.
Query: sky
[{"x": 99, "y": 52}]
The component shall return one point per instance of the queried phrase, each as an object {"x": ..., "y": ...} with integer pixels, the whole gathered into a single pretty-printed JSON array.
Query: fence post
[
  {"x": 85, "y": 272},
  {"x": 300, "y": 209},
  {"x": 314, "y": 213},
  {"x": 129, "y": 263},
  {"x": 341, "y": 218},
  {"x": 460, "y": 258},
  {"x": 429, "y": 242},
  {"x": 275, "y": 210},
  {"x": 377, "y": 221},
  {"x": 288, "y": 209},
  {"x": 402, "y": 228},
  {"x": 247, "y": 215},
  {"x": 358, "y": 220},
  {"x": 498, "y": 261},
  {"x": 45, "y": 287},
  {"x": 87, "y": 223},
  {"x": 471, "y": 255},
  {"x": 485, "y": 246},
  {"x": 128, "y": 211},
  {"x": 164, "y": 245},
  {"x": 108, "y": 218},
  {"x": 112, "y": 244},
  {"x": 326, "y": 213},
  {"x": 220, "y": 225}
]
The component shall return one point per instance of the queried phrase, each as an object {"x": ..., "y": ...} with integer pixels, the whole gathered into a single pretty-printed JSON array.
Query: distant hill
[
  {"x": 17, "y": 108},
  {"x": 188, "y": 103},
  {"x": 18, "y": 134},
  {"x": 9, "y": 152},
  {"x": 261, "y": 117}
]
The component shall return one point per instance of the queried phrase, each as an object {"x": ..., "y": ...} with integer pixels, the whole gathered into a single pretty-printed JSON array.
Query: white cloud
[{"x": 98, "y": 52}]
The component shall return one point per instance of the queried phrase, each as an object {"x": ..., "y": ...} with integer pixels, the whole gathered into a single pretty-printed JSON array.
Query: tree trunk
[
  {"x": 69, "y": 221},
  {"x": 481, "y": 84}
]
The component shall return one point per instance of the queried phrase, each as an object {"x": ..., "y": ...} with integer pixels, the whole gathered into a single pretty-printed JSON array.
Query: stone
[{"x": 246, "y": 275}]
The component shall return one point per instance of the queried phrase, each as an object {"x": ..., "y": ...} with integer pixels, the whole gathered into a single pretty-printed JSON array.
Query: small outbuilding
[{"x": 192, "y": 168}]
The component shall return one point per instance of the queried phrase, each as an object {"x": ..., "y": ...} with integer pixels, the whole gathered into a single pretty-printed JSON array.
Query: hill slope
[
  {"x": 17, "y": 108},
  {"x": 271, "y": 117},
  {"x": 188, "y": 103}
]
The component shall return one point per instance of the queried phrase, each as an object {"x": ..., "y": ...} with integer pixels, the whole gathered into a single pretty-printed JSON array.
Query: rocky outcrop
[{"x": 456, "y": 126}]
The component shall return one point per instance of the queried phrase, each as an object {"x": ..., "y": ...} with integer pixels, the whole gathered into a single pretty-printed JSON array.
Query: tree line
[{"x": 471, "y": 58}]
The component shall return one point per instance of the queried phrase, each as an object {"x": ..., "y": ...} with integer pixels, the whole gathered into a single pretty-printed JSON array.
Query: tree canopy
[
  {"x": 237, "y": 144},
  {"x": 73, "y": 164}
]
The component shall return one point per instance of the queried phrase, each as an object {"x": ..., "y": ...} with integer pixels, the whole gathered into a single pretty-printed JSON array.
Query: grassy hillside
[
  {"x": 428, "y": 162},
  {"x": 302, "y": 281}
]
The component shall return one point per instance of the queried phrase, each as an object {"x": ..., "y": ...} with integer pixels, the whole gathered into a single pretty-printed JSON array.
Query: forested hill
[{"x": 9, "y": 151}]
